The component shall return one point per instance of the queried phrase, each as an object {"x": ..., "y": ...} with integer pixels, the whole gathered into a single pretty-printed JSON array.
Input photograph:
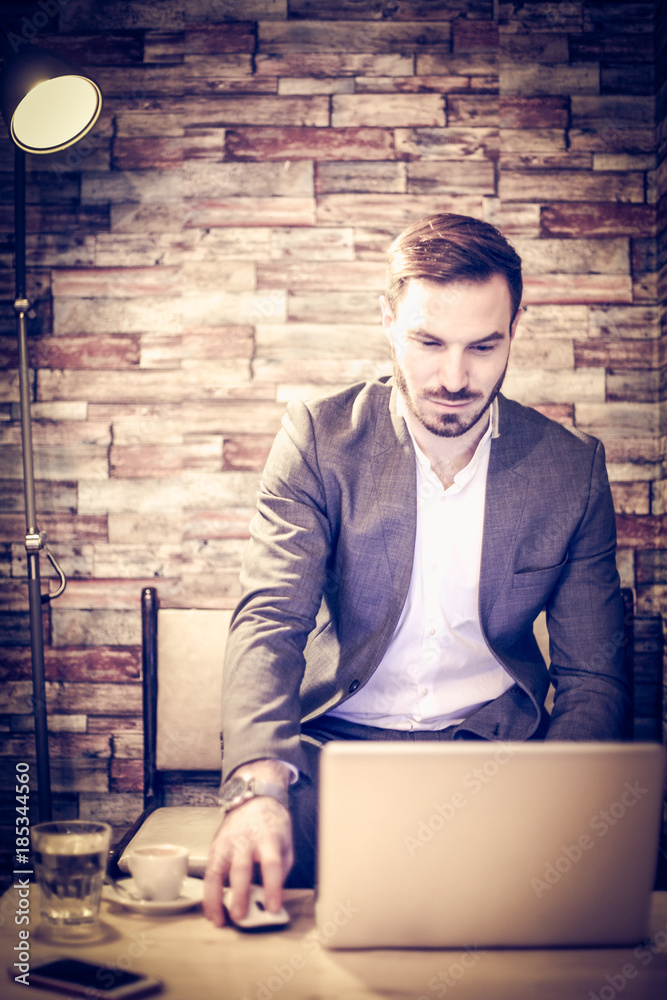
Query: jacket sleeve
[
  {"x": 283, "y": 577},
  {"x": 585, "y": 623}
]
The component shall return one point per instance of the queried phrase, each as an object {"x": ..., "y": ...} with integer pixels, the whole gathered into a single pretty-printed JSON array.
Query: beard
[{"x": 447, "y": 425}]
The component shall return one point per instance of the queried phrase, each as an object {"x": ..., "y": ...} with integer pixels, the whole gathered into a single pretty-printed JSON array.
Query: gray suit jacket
[{"x": 329, "y": 562}]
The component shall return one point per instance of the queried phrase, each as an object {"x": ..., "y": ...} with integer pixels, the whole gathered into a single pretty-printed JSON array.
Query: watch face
[{"x": 233, "y": 789}]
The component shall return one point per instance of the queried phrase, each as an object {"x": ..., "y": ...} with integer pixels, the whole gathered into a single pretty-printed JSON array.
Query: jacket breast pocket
[{"x": 538, "y": 577}]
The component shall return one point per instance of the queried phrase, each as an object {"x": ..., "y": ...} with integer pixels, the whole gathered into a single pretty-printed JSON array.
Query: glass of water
[{"x": 70, "y": 859}]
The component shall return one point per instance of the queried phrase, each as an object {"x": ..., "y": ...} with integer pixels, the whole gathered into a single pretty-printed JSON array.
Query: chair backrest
[{"x": 183, "y": 653}]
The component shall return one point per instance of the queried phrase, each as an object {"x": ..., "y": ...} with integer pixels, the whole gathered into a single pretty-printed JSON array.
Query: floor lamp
[{"x": 48, "y": 104}]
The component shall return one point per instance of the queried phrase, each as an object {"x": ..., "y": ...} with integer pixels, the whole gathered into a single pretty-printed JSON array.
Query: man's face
[{"x": 450, "y": 348}]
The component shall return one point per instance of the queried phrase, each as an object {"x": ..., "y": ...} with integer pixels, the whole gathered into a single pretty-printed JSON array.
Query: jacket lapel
[
  {"x": 394, "y": 477},
  {"x": 506, "y": 490}
]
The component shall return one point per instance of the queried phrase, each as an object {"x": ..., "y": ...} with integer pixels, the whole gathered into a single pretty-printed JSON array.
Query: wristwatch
[{"x": 237, "y": 790}]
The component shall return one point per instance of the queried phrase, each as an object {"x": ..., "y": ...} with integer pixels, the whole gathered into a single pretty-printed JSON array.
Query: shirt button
[
  {"x": 431, "y": 631},
  {"x": 353, "y": 687},
  {"x": 424, "y": 691}
]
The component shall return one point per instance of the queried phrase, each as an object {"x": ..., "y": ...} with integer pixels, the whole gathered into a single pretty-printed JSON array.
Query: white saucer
[{"x": 192, "y": 893}]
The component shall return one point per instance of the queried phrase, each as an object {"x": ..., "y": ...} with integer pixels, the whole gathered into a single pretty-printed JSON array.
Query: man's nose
[{"x": 453, "y": 371}]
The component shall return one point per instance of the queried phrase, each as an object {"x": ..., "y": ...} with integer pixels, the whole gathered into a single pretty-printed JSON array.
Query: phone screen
[
  {"x": 86, "y": 979},
  {"x": 71, "y": 970}
]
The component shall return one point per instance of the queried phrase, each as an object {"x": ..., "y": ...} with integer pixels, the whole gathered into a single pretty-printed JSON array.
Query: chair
[{"x": 181, "y": 715}]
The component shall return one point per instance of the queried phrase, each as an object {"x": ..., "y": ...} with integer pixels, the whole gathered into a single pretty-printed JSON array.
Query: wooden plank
[
  {"x": 206, "y": 524},
  {"x": 378, "y": 10},
  {"x": 321, "y": 275},
  {"x": 331, "y": 64},
  {"x": 318, "y": 307},
  {"x": 455, "y": 177},
  {"x": 531, "y": 80},
  {"x": 528, "y": 140},
  {"x": 574, "y": 256},
  {"x": 572, "y": 288},
  {"x": 150, "y": 152},
  {"x": 410, "y": 84},
  {"x": 254, "y": 110},
  {"x": 368, "y": 176},
  {"x": 111, "y": 282},
  {"x": 93, "y": 627},
  {"x": 618, "y": 419},
  {"x": 214, "y": 39},
  {"x": 514, "y": 219},
  {"x": 387, "y": 110},
  {"x": 292, "y": 143},
  {"x": 624, "y": 321},
  {"x": 628, "y": 355},
  {"x": 601, "y": 218},
  {"x": 474, "y": 36},
  {"x": 535, "y": 386},
  {"x": 396, "y": 211},
  {"x": 617, "y": 112},
  {"x": 346, "y": 36},
  {"x": 476, "y": 110},
  {"x": 315, "y": 85},
  {"x": 222, "y": 180},
  {"x": 311, "y": 337},
  {"x": 533, "y": 112},
  {"x": 247, "y": 452},
  {"x": 606, "y": 137},
  {"x": 126, "y": 776},
  {"x": 571, "y": 185},
  {"x": 69, "y": 530},
  {"x": 447, "y": 143},
  {"x": 112, "y": 315}
]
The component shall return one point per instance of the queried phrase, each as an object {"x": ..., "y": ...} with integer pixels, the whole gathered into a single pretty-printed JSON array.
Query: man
[{"x": 408, "y": 533}]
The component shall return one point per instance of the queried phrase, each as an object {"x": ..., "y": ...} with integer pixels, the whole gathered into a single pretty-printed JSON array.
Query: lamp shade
[{"x": 47, "y": 102}]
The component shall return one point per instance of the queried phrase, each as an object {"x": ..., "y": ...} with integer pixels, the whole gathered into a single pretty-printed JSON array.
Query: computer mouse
[{"x": 258, "y": 918}]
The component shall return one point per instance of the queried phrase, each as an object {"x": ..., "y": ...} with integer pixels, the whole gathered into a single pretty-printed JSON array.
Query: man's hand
[{"x": 259, "y": 830}]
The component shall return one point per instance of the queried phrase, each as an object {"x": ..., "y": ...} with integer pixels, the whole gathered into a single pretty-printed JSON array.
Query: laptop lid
[{"x": 436, "y": 844}]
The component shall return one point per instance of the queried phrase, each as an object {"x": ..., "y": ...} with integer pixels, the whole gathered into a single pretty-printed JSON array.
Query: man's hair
[{"x": 451, "y": 248}]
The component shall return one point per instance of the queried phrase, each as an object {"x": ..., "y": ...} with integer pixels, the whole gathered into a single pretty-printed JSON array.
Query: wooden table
[{"x": 199, "y": 962}]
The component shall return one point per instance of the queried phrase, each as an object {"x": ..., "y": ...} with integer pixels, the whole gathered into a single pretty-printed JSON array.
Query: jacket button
[{"x": 353, "y": 687}]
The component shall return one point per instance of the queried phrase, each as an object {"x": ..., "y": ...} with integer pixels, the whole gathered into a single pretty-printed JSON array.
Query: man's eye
[{"x": 483, "y": 348}]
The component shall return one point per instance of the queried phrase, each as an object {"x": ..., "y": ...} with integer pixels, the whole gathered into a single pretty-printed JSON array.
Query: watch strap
[{"x": 254, "y": 788}]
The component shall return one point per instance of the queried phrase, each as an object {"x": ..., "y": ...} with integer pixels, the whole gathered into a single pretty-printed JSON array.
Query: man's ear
[
  {"x": 387, "y": 318},
  {"x": 515, "y": 322}
]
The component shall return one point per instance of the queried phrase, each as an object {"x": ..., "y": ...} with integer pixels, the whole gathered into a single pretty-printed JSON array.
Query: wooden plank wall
[{"x": 214, "y": 248}]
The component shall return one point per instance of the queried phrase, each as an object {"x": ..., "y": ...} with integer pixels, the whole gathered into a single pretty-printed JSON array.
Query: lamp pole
[
  {"x": 34, "y": 540},
  {"x": 48, "y": 104}
]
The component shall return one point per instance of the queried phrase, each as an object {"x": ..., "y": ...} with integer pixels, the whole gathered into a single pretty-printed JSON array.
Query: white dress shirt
[{"x": 438, "y": 668}]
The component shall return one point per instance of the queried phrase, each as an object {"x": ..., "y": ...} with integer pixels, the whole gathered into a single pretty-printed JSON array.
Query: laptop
[{"x": 478, "y": 844}]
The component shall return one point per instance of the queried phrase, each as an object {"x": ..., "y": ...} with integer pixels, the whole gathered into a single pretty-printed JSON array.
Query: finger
[
  {"x": 216, "y": 870},
  {"x": 273, "y": 875},
  {"x": 276, "y": 859},
  {"x": 240, "y": 876}
]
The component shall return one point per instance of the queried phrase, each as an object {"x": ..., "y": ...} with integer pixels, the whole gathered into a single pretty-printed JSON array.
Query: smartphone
[{"x": 83, "y": 979}]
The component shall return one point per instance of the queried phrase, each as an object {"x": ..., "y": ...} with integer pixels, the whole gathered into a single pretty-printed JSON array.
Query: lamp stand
[{"x": 34, "y": 539}]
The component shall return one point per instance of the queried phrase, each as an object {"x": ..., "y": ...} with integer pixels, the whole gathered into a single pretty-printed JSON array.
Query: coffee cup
[{"x": 158, "y": 871}]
